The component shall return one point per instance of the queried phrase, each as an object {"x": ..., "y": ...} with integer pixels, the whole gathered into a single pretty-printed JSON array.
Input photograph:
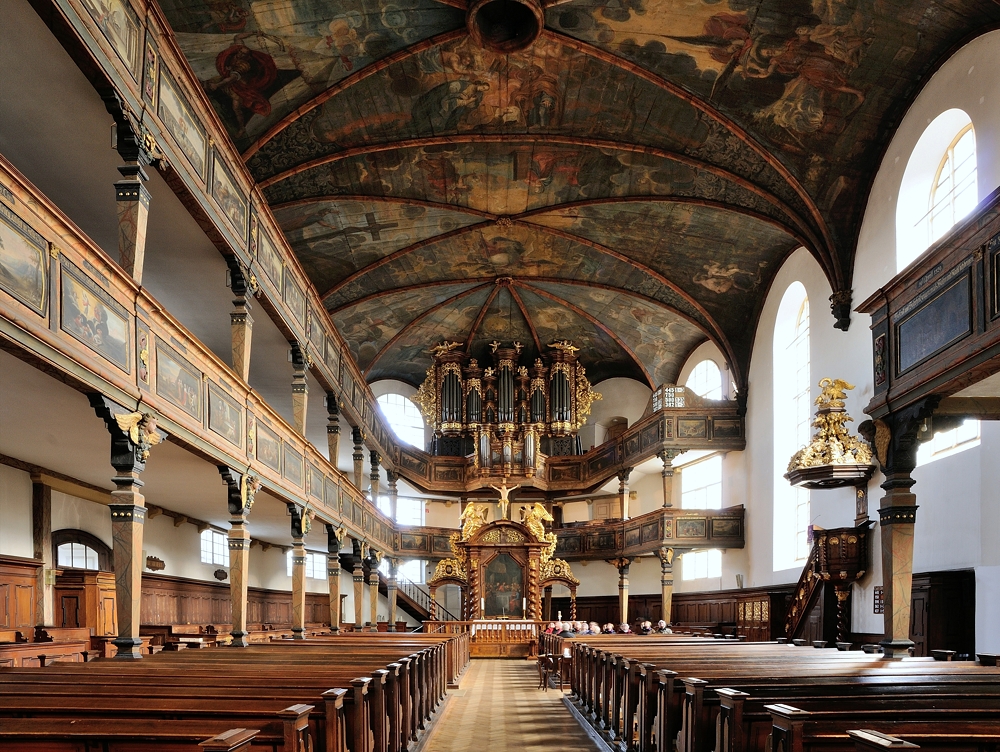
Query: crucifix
[{"x": 504, "y": 497}]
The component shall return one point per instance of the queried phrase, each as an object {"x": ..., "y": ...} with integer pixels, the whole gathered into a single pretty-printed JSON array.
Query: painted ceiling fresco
[{"x": 631, "y": 181}]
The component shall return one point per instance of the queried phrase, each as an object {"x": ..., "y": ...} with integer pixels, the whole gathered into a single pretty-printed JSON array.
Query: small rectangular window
[
  {"x": 214, "y": 548},
  {"x": 413, "y": 571},
  {"x": 699, "y": 565}
]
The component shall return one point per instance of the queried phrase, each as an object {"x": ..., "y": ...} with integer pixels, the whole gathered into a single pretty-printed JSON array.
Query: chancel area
[{"x": 433, "y": 375}]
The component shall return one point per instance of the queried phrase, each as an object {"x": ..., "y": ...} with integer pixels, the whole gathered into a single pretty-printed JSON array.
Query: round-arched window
[
  {"x": 939, "y": 186},
  {"x": 404, "y": 418},
  {"x": 705, "y": 380}
]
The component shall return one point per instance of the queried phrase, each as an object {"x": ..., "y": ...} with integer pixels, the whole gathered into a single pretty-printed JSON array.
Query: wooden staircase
[{"x": 818, "y": 610}]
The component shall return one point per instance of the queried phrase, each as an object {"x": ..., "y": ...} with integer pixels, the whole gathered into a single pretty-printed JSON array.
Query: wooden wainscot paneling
[
  {"x": 168, "y": 600},
  {"x": 18, "y": 582}
]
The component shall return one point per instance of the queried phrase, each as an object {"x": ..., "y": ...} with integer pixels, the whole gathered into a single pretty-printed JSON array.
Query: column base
[
  {"x": 335, "y": 630},
  {"x": 896, "y": 649},
  {"x": 129, "y": 648},
  {"x": 239, "y": 640},
  {"x": 392, "y": 627},
  {"x": 298, "y": 633}
]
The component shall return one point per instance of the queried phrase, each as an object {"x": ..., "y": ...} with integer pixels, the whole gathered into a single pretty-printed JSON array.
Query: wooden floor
[{"x": 499, "y": 708}]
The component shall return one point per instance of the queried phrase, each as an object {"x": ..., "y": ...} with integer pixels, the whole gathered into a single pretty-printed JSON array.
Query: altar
[{"x": 502, "y": 568}]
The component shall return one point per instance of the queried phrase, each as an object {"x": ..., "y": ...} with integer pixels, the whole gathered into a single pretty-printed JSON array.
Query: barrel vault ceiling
[{"x": 631, "y": 181}]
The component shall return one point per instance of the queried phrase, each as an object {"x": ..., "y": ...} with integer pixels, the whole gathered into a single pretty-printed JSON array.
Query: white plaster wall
[
  {"x": 72, "y": 513},
  {"x": 439, "y": 514},
  {"x": 178, "y": 547},
  {"x": 15, "y": 513}
]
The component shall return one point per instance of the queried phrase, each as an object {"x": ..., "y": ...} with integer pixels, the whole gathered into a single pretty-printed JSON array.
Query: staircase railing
[
  {"x": 422, "y": 598},
  {"x": 840, "y": 557},
  {"x": 805, "y": 591}
]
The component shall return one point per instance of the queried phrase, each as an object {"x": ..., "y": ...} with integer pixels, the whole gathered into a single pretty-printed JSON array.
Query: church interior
[{"x": 607, "y": 374}]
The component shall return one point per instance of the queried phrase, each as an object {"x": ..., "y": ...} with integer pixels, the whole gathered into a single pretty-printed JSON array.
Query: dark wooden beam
[
  {"x": 524, "y": 312},
  {"x": 480, "y": 317},
  {"x": 983, "y": 408}
]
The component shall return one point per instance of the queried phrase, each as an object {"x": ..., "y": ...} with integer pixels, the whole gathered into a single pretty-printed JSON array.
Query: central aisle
[{"x": 499, "y": 708}]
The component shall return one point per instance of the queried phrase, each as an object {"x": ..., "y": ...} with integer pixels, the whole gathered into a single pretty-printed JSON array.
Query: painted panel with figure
[
  {"x": 503, "y": 587},
  {"x": 268, "y": 447},
  {"x": 120, "y": 25},
  {"x": 229, "y": 196},
  {"x": 178, "y": 381},
  {"x": 224, "y": 415},
  {"x": 176, "y": 116},
  {"x": 91, "y": 316},
  {"x": 23, "y": 261}
]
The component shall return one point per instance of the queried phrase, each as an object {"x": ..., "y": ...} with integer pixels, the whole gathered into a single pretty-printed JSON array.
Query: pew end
[
  {"x": 866, "y": 740},
  {"x": 234, "y": 740}
]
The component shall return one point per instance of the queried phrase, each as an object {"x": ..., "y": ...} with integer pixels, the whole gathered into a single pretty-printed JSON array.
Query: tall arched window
[
  {"x": 792, "y": 421},
  {"x": 404, "y": 418},
  {"x": 939, "y": 189},
  {"x": 939, "y": 186},
  {"x": 705, "y": 380}
]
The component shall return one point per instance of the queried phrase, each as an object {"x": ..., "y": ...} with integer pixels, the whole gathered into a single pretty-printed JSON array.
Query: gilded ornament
[
  {"x": 425, "y": 399},
  {"x": 473, "y": 517},
  {"x": 832, "y": 444},
  {"x": 534, "y": 519},
  {"x": 558, "y": 569},
  {"x": 249, "y": 486},
  {"x": 141, "y": 430},
  {"x": 492, "y": 536},
  {"x": 565, "y": 346},
  {"x": 444, "y": 347},
  {"x": 449, "y": 569}
]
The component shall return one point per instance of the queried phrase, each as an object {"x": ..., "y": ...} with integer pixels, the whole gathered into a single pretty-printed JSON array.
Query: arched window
[
  {"x": 939, "y": 186},
  {"x": 404, "y": 418},
  {"x": 792, "y": 421},
  {"x": 77, "y": 549},
  {"x": 705, "y": 380}
]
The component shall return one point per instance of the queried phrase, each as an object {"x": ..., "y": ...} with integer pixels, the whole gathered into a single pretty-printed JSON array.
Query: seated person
[
  {"x": 609, "y": 628},
  {"x": 646, "y": 628},
  {"x": 550, "y": 628},
  {"x": 624, "y": 628},
  {"x": 595, "y": 628},
  {"x": 662, "y": 628}
]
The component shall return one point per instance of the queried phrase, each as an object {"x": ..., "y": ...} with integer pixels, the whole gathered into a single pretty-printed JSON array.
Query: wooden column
[
  {"x": 242, "y": 282},
  {"x": 376, "y": 460},
  {"x": 667, "y": 456},
  {"x": 41, "y": 529},
  {"x": 547, "y": 604},
  {"x": 300, "y": 388},
  {"x": 242, "y": 487},
  {"x": 300, "y": 527},
  {"x": 897, "y": 434},
  {"x": 623, "y": 476},
  {"x": 131, "y": 195},
  {"x": 132, "y": 436},
  {"x": 572, "y": 604},
  {"x": 358, "y": 436},
  {"x": 374, "y": 559},
  {"x": 333, "y": 427},
  {"x": 391, "y": 592},
  {"x": 334, "y": 538},
  {"x": 622, "y": 565},
  {"x": 393, "y": 478},
  {"x": 358, "y": 574},
  {"x": 666, "y": 581}
]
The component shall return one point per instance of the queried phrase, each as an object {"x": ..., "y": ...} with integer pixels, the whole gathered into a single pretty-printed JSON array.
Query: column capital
[
  {"x": 623, "y": 475},
  {"x": 133, "y": 142},
  {"x": 301, "y": 521},
  {"x": 334, "y": 538},
  {"x": 667, "y": 456},
  {"x": 133, "y": 434},
  {"x": 242, "y": 280},
  {"x": 622, "y": 564},
  {"x": 242, "y": 488},
  {"x": 358, "y": 435},
  {"x": 666, "y": 557}
]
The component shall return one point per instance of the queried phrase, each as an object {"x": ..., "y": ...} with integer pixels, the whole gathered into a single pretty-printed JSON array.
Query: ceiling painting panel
[
  {"x": 369, "y": 325},
  {"x": 334, "y": 239},
  {"x": 260, "y": 60},
  {"x": 659, "y": 339},
  {"x": 503, "y": 178},
  {"x": 808, "y": 78},
  {"x": 410, "y": 355}
]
